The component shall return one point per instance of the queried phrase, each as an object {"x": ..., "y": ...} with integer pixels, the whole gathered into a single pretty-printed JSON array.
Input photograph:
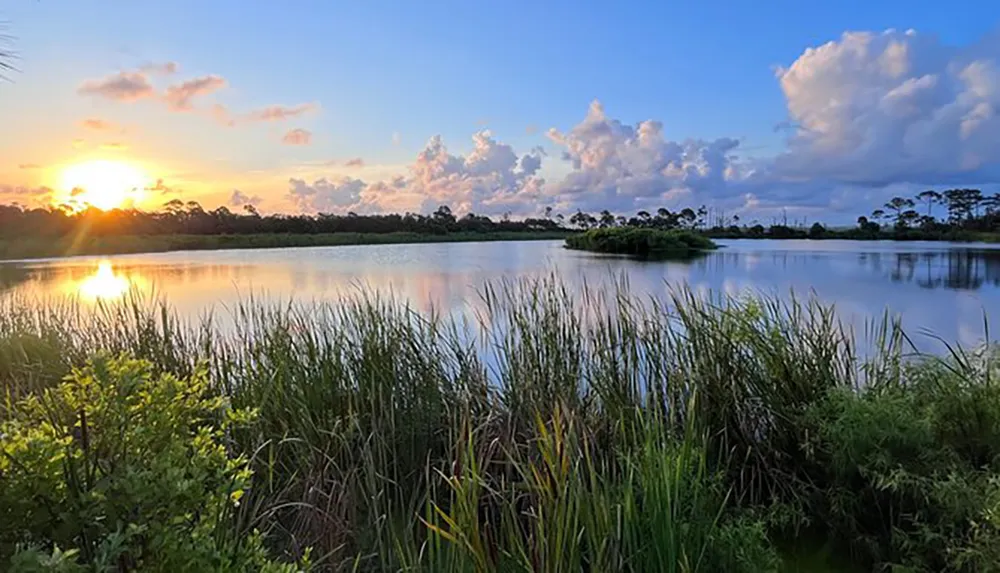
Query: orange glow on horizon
[{"x": 102, "y": 183}]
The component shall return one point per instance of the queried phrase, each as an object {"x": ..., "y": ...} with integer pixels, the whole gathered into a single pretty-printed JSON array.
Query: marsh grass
[{"x": 567, "y": 431}]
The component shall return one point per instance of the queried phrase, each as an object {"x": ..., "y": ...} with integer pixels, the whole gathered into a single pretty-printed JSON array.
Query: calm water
[{"x": 943, "y": 288}]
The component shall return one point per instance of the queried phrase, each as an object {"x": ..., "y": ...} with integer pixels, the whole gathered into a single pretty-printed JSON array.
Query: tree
[
  {"x": 644, "y": 217},
  {"x": 665, "y": 219},
  {"x": 6, "y": 56},
  {"x": 817, "y": 230},
  {"x": 898, "y": 204},
  {"x": 443, "y": 215},
  {"x": 581, "y": 220},
  {"x": 687, "y": 218},
  {"x": 908, "y": 218},
  {"x": 963, "y": 204},
  {"x": 930, "y": 197},
  {"x": 607, "y": 219},
  {"x": 878, "y": 215}
]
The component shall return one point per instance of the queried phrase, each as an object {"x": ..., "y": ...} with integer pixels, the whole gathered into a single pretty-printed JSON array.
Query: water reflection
[
  {"x": 861, "y": 279},
  {"x": 958, "y": 269},
  {"x": 104, "y": 284}
]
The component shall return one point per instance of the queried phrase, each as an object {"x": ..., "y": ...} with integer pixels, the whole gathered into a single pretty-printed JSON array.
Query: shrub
[
  {"x": 640, "y": 241},
  {"x": 911, "y": 471},
  {"x": 118, "y": 468}
]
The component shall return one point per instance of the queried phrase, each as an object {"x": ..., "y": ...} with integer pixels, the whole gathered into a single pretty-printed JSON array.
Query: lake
[{"x": 946, "y": 289}]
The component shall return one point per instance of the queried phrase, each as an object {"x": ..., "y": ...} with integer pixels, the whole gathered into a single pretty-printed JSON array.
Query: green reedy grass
[{"x": 565, "y": 431}]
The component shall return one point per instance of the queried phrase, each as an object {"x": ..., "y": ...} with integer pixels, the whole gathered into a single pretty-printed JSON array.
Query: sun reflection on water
[{"x": 104, "y": 284}]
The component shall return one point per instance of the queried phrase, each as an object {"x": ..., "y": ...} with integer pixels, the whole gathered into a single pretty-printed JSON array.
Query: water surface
[{"x": 944, "y": 288}]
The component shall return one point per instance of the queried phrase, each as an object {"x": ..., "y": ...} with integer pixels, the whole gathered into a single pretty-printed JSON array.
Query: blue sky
[{"x": 705, "y": 70}]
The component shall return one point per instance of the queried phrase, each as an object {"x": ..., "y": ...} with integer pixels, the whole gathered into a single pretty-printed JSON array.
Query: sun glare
[
  {"x": 104, "y": 284},
  {"x": 103, "y": 184}
]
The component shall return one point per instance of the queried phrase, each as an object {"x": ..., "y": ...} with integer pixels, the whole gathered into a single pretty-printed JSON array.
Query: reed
[{"x": 564, "y": 431}]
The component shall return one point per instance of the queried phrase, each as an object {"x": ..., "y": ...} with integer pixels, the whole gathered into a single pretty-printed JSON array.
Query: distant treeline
[
  {"x": 179, "y": 218},
  {"x": 958, "y": 214},
  {"x": 955, "y": 214}
]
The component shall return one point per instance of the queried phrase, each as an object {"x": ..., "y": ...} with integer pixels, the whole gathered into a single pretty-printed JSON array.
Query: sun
[{"x": 103, "y": 184}]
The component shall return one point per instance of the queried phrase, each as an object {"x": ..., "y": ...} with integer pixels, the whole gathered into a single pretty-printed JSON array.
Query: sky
[{"x": 815, "y": 111}]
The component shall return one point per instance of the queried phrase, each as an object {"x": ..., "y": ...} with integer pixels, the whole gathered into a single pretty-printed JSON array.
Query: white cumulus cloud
[{"x": 874, "y": 109}]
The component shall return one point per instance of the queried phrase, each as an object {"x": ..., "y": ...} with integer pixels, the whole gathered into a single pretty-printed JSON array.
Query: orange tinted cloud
[
  {"x": 297, "y": 137},
  {"x": 114, "y": 146},
  {"x": 281, "y": 112},
  {"x": 98, "y": 124},
  {"x": 356, "y": 162},
  {"x": 179, "y": 96},
  {"x": 123, "y": 86}
]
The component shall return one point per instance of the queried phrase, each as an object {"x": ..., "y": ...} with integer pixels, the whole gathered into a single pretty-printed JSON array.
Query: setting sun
[{"x": 103, "y": 184}]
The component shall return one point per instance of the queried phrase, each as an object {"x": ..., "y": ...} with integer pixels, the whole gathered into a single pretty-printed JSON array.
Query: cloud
[
  {"x": 28, "y": 166},
  {"x": 114, "y": 146},
  {"x": 98, "y": 125},
  {"x": 622, "y": 167},
  {"x": 356, "y": 162},
  {"x": 22, "y": 196},
  {"x": 297, "y": 137},
  {"x": 23, "y": 191},
  {"x": 325, "y": 195},
  {"x": 491, "y": 179},
  {"x": 222, "y": 115},
  {"x": 124, "y": 87},
  {"x": 867, "y": 114},
  {"x": 178, "y": 97},
  {"x": 161, "y": 188},
  {"x": 531, "y": 129},
  {"x": 164, "y": 69},
  {"x": 874, "y": 109},
  {"x": 281, "y": 112},
  {"x": 241, "y": 199}
]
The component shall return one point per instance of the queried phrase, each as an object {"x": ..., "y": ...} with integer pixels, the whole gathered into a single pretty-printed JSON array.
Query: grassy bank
[
  {"x": 640, "y": 242},
  {"x": 126, "y": 244},
  {"x": 599, "y": 432}
]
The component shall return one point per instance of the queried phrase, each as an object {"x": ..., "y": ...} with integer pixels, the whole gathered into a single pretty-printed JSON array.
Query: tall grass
[{"x": 590, "y": 431}]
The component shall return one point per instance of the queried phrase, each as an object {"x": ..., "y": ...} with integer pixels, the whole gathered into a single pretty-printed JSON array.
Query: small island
[{"x": 641, "y": 242}]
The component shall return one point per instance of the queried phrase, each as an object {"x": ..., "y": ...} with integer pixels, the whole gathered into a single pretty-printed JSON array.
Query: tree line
[
  {"x": 178, "y": 217},
  {"x": 930, "y": 214},
  {"x": 950, "y": 214}
]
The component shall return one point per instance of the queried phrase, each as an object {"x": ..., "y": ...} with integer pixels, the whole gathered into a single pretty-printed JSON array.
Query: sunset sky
[{"x": 823, "y": 109}]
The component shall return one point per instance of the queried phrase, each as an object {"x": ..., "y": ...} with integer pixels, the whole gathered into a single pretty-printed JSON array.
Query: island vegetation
[
  {"x": 642, "y": 242},
  {"x": 567, "y": 432}
]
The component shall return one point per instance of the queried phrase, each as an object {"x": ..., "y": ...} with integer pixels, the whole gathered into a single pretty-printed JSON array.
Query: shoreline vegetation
[
  {"x": 567, "y": 431},
  {"x": 968, "y": 216},
  {"x": 645, "y": 243}
]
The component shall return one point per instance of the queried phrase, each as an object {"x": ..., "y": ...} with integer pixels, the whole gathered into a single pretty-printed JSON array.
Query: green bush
[
  {"x": 911, "y": 471},
  {"x": 640, "y": 241},
  {"x": 118, "y": 468}
]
